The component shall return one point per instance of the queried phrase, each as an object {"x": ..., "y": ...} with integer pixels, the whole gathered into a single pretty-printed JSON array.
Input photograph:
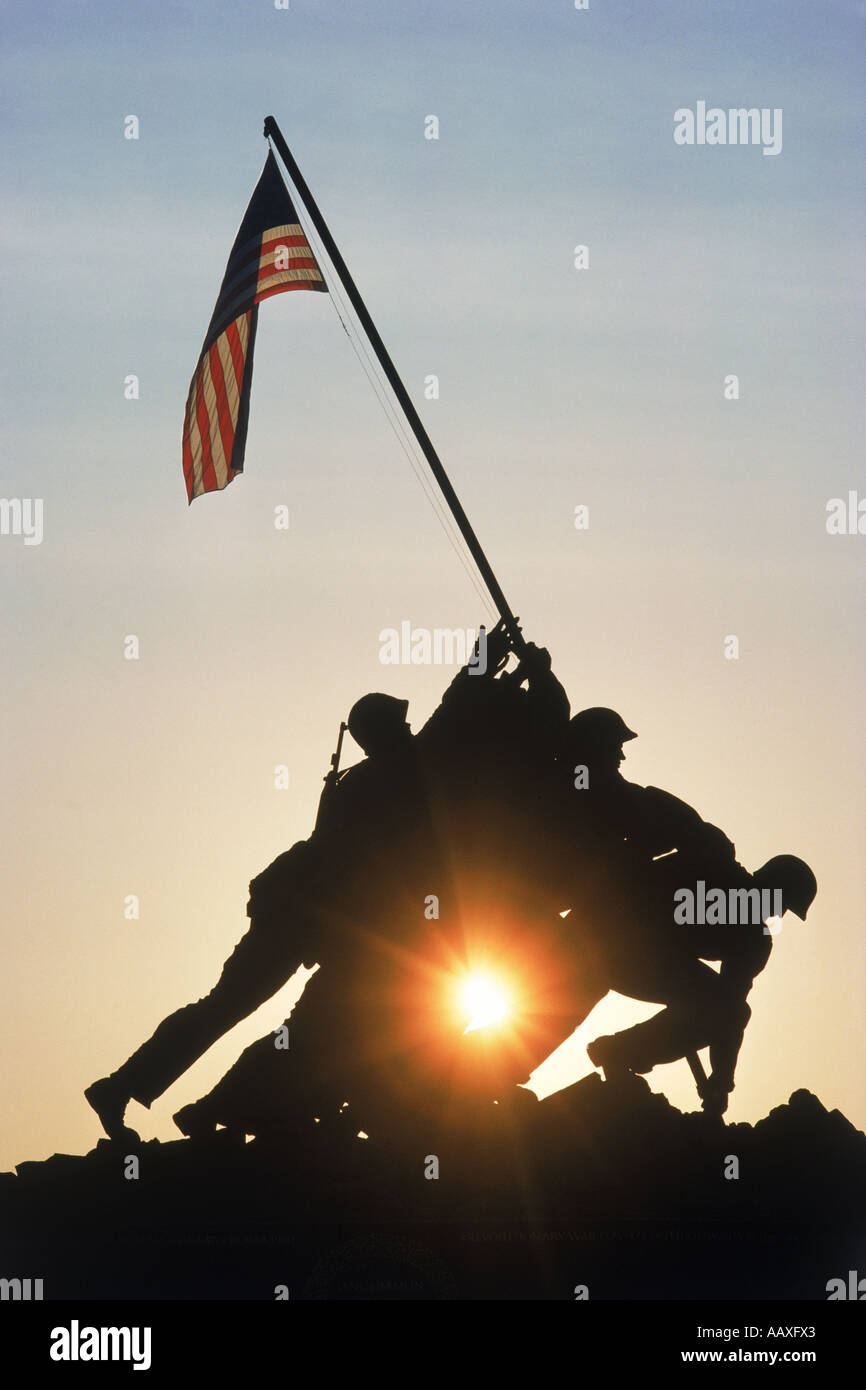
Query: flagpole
[{"x": 466, "y": 530}]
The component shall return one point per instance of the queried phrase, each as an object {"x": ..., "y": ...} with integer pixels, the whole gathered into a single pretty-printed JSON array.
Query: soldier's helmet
[
  {"x": 376, "y": 722},
  {"x": 598, "y": 728},
  {"x": 795, "y": 879}
]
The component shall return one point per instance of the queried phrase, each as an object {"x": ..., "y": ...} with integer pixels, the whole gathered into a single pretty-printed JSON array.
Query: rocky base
[{"x": 600, "y": 1191}]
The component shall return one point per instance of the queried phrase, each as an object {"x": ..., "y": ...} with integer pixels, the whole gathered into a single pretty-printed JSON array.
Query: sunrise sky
[{"x": 559, "y": 387}]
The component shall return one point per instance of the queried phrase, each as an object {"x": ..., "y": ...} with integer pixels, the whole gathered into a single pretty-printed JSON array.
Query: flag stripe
[
  {"x": 225, "y": 415},
  {"x": 299, "y": 285},
  {"x": 237, "y": 347},
  {"x": 286, "y": 279},
  {"x": 192, "y": 441},
  {"x": 208, "y": 401},
  {"x": 208, "y": 477},
  {"x": 230, "y": 378}
]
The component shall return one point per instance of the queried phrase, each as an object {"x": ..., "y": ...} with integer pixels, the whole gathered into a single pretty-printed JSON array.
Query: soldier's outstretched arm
[
  {"x": 470, "y": 689},
  {"x": 547, "y": 694}
]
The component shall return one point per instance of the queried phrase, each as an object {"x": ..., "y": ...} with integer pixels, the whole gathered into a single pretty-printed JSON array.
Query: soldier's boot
[
  {"x": 248, "y": 978},
  {"x": 714, "y": 1092},
  {"x": 714, "y": 1097},
  {"x": 194, "y": 1121},
  {"x": 109, "y": 1098},
  {"x": 608, "y": 1053},
  {"x": 264, "y": 1092},
  {"x": 178, "y": 1042}
]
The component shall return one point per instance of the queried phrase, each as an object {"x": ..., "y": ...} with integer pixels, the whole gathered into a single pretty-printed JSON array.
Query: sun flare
[{"x": 484, "y": 1001}]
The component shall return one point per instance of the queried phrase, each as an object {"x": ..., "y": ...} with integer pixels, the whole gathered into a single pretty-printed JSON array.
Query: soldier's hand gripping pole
[{"x": 494, "y": 647}]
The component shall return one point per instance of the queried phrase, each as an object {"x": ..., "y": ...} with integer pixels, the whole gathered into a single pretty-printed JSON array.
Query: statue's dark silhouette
[{"x": 538, "y": 855}]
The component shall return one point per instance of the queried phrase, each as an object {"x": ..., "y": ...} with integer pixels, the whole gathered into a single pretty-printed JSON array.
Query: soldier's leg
[
  {"x": 259, "y": 965},
  {"x": 700, "y": 1011},
  {"x": 272, "y": 1087},
  {"x": 725, "y": 1051}
]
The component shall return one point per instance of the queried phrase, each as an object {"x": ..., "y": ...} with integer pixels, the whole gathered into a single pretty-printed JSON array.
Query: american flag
[{"x": 270, "y": 255}]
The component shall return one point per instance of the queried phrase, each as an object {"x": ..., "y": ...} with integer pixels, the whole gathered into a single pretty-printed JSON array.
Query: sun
[{"x": 484, "y": 1001}]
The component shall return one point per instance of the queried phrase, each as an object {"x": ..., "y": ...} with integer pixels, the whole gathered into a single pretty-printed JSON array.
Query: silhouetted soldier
[
  {"x": 599, "y": 835},
  {"x": 642, "y": 952},
  {"x": 626, "y": 835},
  {"x": 608, "y": 809},
  {"x": 293, "y": 907},
  {"x": 366, "y": 814}
]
